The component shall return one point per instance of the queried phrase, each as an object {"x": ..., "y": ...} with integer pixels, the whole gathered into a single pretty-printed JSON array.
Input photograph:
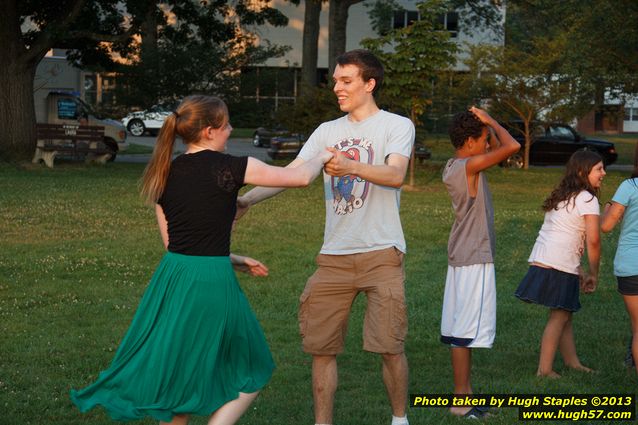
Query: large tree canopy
[
  {"x": 560, "y": 60},
  {"x": 524, "y": 84},
  {"x": 193, "y": 47},
  {"x": 412, "y": 57},
  {"x": 600, "y": 42},
  {"x": 173, "y": 47}
]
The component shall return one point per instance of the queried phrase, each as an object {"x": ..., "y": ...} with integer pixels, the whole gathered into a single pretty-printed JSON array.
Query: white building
[
  {"x": 277, "y": 78},
  {"x": 359, "y": 28},
  {"x": 630, "y": 121}
]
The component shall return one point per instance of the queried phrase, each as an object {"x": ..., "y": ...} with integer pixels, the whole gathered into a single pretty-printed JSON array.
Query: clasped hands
[
  {"x": 339, "y": 165},
  {"x": 336, "y": 164}
]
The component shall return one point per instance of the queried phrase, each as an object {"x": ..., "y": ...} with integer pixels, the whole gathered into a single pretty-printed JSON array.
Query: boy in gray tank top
[{"x": 469, "y": 302}]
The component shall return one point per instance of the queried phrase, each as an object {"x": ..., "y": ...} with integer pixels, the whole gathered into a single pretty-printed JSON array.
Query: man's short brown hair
[{"x": 368, "y": 64}]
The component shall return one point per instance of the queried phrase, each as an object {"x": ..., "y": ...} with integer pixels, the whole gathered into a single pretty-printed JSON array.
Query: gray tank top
[{"x": 472, "y": 238}]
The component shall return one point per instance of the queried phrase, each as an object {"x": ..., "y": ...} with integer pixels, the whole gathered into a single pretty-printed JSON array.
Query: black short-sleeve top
[{"x": 200, "y": 201}]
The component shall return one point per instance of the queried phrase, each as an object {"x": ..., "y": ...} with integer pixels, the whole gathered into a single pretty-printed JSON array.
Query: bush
[{"x": 314, "y": 106}]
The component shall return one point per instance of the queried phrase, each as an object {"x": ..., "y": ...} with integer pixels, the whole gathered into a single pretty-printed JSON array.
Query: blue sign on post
[{"x": 67, "y": 109}]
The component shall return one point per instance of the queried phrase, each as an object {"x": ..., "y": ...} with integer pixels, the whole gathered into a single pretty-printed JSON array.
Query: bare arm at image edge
[{"x": 162, "y": 224}]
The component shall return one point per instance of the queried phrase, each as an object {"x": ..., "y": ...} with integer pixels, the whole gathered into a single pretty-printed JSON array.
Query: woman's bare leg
[
  {"x": 177, "y": 420},
  {"x": 550, "y": 340},
  {"x": 230, "y": 412},
  {"x": 631, "y": 302},
  {"x": 568, "y": 348}
]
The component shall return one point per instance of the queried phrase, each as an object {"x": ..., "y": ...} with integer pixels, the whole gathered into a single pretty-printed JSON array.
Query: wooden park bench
[{"x": 69, "y": 140}]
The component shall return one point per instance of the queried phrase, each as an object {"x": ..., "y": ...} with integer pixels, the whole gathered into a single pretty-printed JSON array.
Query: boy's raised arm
[{"x": 499, "y": 151}]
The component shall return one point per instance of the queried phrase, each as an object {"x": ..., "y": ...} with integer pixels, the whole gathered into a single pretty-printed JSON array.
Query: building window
[
  {"x": 448, "y": 21},
  {"x": 631, "y": 114},
  {"x": 99, "y": 88},
  {"x": 404, "y": 18},
  {"x": 269, "y": 85}
]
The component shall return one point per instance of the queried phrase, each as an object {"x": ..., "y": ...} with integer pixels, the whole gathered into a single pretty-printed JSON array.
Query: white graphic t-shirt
[{"x": 362, "y": 216}]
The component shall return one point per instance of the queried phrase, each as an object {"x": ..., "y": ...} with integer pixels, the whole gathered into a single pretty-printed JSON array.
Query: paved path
[{"x": 237, "y": 147}]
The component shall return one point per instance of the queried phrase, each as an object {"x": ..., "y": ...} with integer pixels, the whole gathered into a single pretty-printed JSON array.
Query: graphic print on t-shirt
[{"x": 350, "y": 191}]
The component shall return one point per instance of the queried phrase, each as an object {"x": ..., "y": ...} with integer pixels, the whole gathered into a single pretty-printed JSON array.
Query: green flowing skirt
[{"x": 193, "y": 345}]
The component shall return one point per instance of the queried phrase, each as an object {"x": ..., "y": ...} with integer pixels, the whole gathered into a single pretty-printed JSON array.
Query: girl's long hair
[
  {"x": 575, "y": 180},
  {"x": 191, "y": 116}
]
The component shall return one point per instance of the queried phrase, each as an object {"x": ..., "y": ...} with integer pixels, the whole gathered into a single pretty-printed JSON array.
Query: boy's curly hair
[{"x": 463, "y": 126}]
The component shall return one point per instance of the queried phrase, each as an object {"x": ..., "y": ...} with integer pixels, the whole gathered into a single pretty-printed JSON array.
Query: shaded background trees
[
  {"x": 168, "y": 49},
  {"x": 28, "y": 29},
  {"x": 412, "y": 57},
  {"x": 561, "y": 60},
  {"x": 192, "y": 47}
]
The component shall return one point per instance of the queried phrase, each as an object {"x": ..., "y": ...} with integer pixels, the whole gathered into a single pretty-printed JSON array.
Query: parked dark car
[
  {"x": 554, "y": 143},
  {"x": 262, "y": 135},
  {"x": 285, "y": 147},
  {"x": 421, "y": 152}
]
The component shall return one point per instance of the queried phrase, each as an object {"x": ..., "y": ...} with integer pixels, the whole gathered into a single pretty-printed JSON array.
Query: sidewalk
[{"x": 236, "y": 147}]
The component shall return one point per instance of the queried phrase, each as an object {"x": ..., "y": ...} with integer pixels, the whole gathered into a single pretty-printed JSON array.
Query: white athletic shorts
[{"x": 469, "y": 306}]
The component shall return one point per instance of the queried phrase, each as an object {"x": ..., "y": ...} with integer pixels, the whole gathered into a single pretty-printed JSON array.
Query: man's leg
[
  {"x": 323, "y": 322},
  {"x": 395, "y": 378},
  {"x": 381, "y": 276},
  {"x": 324, "y": 386}
]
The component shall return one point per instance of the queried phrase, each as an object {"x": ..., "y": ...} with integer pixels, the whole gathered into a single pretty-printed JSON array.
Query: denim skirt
[{"x": 551, "y": 288}]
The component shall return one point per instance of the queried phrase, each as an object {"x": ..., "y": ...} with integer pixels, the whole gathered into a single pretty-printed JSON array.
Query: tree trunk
[
  {"x": 528, "y": 143},
  {"x": 148, "y": 33},
  {"x": 17, "y": 111},
  {"x": 337, "y": 26},
  {"x": 311, "y": 28},
  {"x": 149, "y": 55}
]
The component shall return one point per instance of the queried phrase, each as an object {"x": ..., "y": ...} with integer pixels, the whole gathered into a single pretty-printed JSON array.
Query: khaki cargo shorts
[{"x": 329, "y": 293}]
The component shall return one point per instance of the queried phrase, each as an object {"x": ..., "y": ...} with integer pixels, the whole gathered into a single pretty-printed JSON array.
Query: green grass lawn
[{"x": 78, "y": 248}]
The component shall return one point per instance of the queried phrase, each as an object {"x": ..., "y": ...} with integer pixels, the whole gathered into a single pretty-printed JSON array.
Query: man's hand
[
  {"x": 327, "y": 155},
  {"x": 339, "y": 165}
]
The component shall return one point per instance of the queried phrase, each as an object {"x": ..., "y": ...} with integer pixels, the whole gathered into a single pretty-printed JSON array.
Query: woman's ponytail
[{"x": 156, "y": 172}]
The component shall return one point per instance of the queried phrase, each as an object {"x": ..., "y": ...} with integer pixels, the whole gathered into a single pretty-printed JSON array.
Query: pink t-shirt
[{"x": 561, "y": 240}]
